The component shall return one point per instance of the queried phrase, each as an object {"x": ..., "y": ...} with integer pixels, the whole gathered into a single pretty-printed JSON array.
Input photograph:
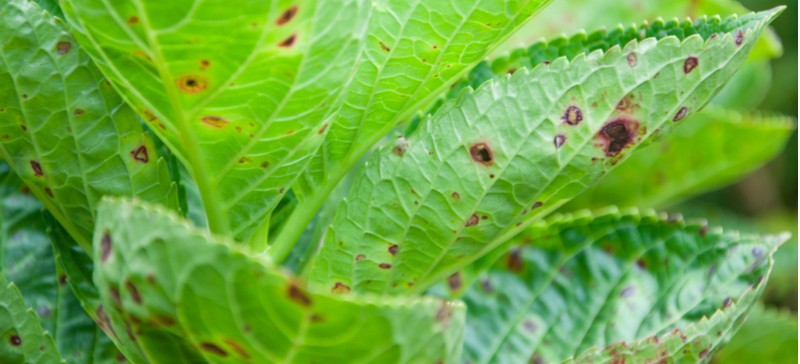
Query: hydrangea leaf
[
  {"x": 711, "y": 149},
  {"x": 493, "y": 160},
  {"x": 567, "y": 15},
  {"x": 170, "y": 288},
  {"x": 23, "y": 339},
  {"x": 413, "y": 52},
  {"x": 26, "y": 258},
  {"x": 616, "y": 287},
  {"x": 244, "y": 95},
  {"x": 63, "y": 129}
]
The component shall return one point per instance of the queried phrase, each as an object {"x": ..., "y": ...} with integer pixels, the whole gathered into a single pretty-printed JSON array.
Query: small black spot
[
  {"x": 481, "y": 153},
  {"x": 727, "y": 302},
  {"x": 681, "y": 114},
  {"x": 690, "y": 64},
  {"x": 572, "y": 116},
  {"x": 559, "y": 140},
  {"x": 15, "y": 340}
]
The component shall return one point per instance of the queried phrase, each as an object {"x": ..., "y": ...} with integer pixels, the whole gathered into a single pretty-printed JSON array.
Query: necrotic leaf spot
[
  {"x": 37, "y": 168},
  {"x": 288, "y": 42},
  {"x": 297, "y": 294},
  {"x": 63, "y": 47},
  {"x": 572, "y": 116},
  {"x": 472, "y": 221},
  {"x": 140, "y": 154},
  {"x": 105, "y": 246},
  {"x": 739, "y": 37},
  {"x": 340, "y": 288},
  {"x": 690, "y": 64},
  {"x": 559, "y": 140},
  {"x": 191, "y": 84},
  {"x": 15, "y": 340},
  {"x": 213, "y": 348},
  {"x": 481, "y": 153},
  {"x": 287, "y": 15},
  {"x": 681, "y": 114},
  {"x": 134, "y": 292}
]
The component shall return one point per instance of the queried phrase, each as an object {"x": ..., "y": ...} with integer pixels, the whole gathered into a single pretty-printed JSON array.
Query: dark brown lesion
[
  {"x": 140, "y": 154},
  {"x": 192, "y": 84},
  {"x": 617, "y": 135},
  {"x": 287, "y": 15},
  {"x": 690, "y": 64},
  {"x": 572, "y": 115},
  {"x": 481, "y": 153},
  {"x": 289, "y": 41}
]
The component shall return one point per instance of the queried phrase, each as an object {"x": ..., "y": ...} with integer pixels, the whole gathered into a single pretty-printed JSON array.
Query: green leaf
[
  {"x": 492, "y": 161},
  {"x": 640, "y": 285},
  {"x": 711, "y": 149},
  {"x": 63, "y": 129},
  {"x": 565, "y": 16},
  {"x": 768, "y": 336},
  {"x": 181, "y": 295},
  {"x": 27, "y": 260},
  {"x": 244, "y": 95},
  {"x": 23, "y": 340}
]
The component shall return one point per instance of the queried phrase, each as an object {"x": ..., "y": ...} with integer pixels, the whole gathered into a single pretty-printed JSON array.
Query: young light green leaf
[
  {"x": 168, "y": 288},
  {"x": 62, "y": 127},
  {"x": 495, "y": 159},
  {"x": 646, "y": 287},
  {"x": 23, "y": 340},
  {"x": 26, "y": 258},
  {"x": 565, "y": 16},
  {"x": 711, "y": 149},
  {"x": 243, "y": 94}
]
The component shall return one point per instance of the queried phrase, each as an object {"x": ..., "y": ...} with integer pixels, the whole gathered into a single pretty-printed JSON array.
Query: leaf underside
[
  {"x": 178, "y": 294},
  {"x": 493, "y": 160},
  {"x": 63, "y": 129},
  {"x": 645, "y": 287}
]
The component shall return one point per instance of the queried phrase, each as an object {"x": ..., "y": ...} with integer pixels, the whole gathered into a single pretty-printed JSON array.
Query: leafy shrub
[{"x": 211, "y": 191}]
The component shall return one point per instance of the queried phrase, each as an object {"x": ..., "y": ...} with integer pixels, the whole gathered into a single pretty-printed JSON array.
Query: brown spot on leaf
[
  {"x": 191, "y": 84},
  {"x": 454, "y": 281},
  {"x": 444, "y": 314},
  {"x": 322, "y": 129},
  {"x": 134, "y": 292},
  {"x": 384, "y": 266},
  {"x": 385, "y": 47},
  {"x": 340, "y": 288},
  {"x": 105, "y": 246},
  {"x": 15, "y": 340},
  {"x": 63, "y": 47},
  {"x": 214, "y": 121},
  {"x": 287, "y": 15},
  {"x": 739, "y": 38},
  {"x": 288, "y": 42},
  {"x": 140, "y": 154},
  {"x": 472, "y": 221},
  {"x": 237, "y": 348},
  {"x": 536, "y": 205},
  {"x": 114, "y": 291},
  {"x": 204, "y": 63},
  {"x": 49, "y": 192},
  {"x": 572, "y": 116},
  {"x": 393, "y": 250},
  {"x": 703, "y": 353},
  {"x": 514, "y": 261},
  {"x": 727, "y": 302},
  {"x": 690, "y": 64},
  {"x": 297, "y": 294},
  {"x": 400, "y": 147},
  {"x": 265, "y": 164},
  {"x": 37, "y": 168},
  {"x": 681, "y": 114},
  {"x": 213, "y": 349},
  {"x": 559, "y": 140},
  {"x": 455, "y": 196},
  {"x": 133, "y": 20},
  {"x": 62, "y": 279},
  {"x": 617, "y": 135},
  {"x": 632, "y": 59},
  {"x": 360, "y": 257},
  {"x": 78, "y": 112},
  {"x": 481, "y": 153}
]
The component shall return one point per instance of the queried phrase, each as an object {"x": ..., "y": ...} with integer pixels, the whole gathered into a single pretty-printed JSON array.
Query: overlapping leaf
[
  {"x": 713, "y": 148},
  {"x": 768, "y": 336},
  {"x": 495, "y": 159},
  {"x": 26, "y": 258},
  {"x": 616, "y": 287},
  {"x": 23, "y": 339},
  {"x": 183, "y": 296},
  {"x": 63, "y": 129},
  {"x": 243, "y": 94}
]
